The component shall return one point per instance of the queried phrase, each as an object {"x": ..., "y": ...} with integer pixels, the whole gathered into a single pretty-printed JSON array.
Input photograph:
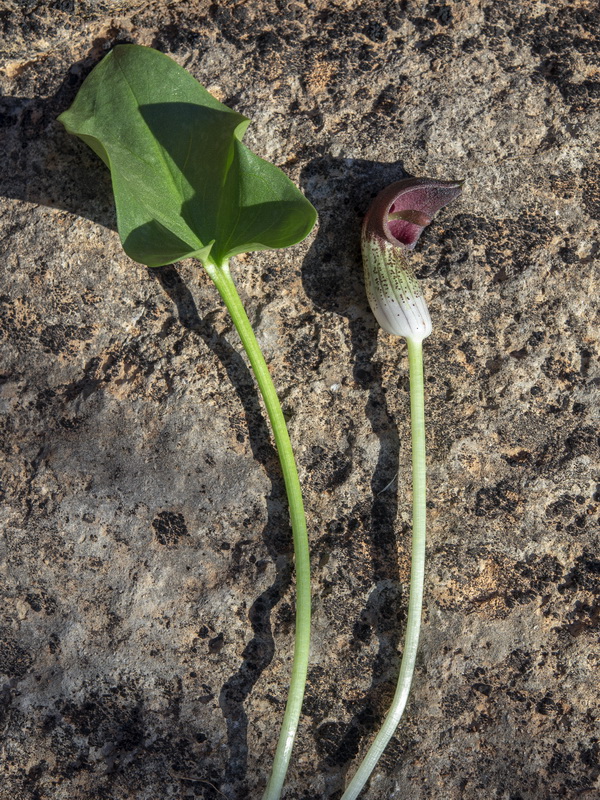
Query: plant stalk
[
  {"x": 223, "y": 281},
  {"x": 417, "y": 571}
]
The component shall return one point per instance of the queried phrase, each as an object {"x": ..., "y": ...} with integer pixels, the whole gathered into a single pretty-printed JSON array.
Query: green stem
[
  {"x": 224, "y": 283},
  {"x": 415, "y": 601}
]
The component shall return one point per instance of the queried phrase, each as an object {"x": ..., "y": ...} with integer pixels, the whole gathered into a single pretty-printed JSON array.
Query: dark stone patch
[
  {"x": 508, "y": 243},
  {"x": 305, "y": 351},
  {"x": 583, "y": 618},
  {"x": 504, "y": 583},
  {"x": 41, "y": 602},
  {"x": 591, "y": 191},
  {"x": 44, "y": 399},
  {"x": 328, "y": 736},
  {"x": 315, "y": 705},
  {"x": 375, "y": 31},
  {"x": 585, "y": 574},
  {"x": 133, "y": 739},
  {"x": 15, "y": 328},
  {"x": 15, "y": 661},
  {"x": 472, "y": 44},
  {"x": 423, "y": 24},
  {"x": 493, "y": 501},
  {"x": 328, "y": 470},
  {"x": 173, "y": 37},
  {"x": 453, "y": 705},
  {"x": 215, "y": 645},
  {"x": 540, "y": 573},
  {"x": 590, "y": 756},
  {"x": 102, "y": 718},
  {"x": 394, "y": 13},
  {"x": 169, "y": 528},
  {"x": 441, "y": 12},
  {"x": 584, "y": 440},
  {"x": 388, "y": 101},
  {"x": 520, "y": 459},
  {"x": 439, "y": 46},
  {"x": 563, "y": 507},
  {"x": 555, "y": 368},
  {"x": 568, "y": 255}
]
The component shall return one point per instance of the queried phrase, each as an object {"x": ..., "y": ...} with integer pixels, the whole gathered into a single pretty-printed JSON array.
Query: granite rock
[{"x": 147, "y": 614}]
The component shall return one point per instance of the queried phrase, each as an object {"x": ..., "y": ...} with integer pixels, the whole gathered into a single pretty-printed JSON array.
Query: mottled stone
[{"x": 148, "y": 597}]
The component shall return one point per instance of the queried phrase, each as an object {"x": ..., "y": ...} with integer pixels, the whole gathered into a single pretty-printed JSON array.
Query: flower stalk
[{"x": 392, "y": 227}]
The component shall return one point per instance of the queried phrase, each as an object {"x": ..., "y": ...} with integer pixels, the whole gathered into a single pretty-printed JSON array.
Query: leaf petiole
[{"x": 222, "y": 279}]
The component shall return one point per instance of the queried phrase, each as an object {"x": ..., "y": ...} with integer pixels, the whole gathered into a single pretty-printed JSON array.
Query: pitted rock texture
[{"x": 147, "y": 615}]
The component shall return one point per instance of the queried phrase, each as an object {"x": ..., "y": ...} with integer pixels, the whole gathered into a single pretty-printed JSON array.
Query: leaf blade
[{"x": 184, "y": 183}]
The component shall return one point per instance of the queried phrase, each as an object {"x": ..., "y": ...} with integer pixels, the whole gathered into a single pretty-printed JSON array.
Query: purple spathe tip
[{"x": 403, "y": 210}]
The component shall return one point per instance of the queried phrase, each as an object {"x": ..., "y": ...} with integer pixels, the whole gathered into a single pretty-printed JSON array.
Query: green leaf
[{"x": 184, "y": 183}]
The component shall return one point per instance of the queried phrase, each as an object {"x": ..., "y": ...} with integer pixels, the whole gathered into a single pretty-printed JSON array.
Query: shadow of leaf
[
  {"x": 276, "y": 534},
  {"x": 41, "y": 163}
]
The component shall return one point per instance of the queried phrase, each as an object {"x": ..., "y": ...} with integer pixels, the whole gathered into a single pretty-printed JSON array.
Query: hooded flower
[{"x": 391, "y": 227}]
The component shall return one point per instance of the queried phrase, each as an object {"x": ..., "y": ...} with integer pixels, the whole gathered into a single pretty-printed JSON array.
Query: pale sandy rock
[{"x": 145, "y": 563}]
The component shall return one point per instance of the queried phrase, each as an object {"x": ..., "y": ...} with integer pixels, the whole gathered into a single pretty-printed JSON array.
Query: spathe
[{"x": 391, "y": 227}]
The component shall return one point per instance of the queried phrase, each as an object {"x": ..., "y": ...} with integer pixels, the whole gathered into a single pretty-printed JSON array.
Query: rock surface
[{"x": 147, "y": 619}]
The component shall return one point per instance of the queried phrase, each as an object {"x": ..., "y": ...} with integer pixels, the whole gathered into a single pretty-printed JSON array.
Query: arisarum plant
[{"x": 391, "y": 228}]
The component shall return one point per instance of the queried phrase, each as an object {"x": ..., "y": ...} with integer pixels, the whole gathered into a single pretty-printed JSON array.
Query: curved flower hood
[{"x": 391, "y": 227}]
